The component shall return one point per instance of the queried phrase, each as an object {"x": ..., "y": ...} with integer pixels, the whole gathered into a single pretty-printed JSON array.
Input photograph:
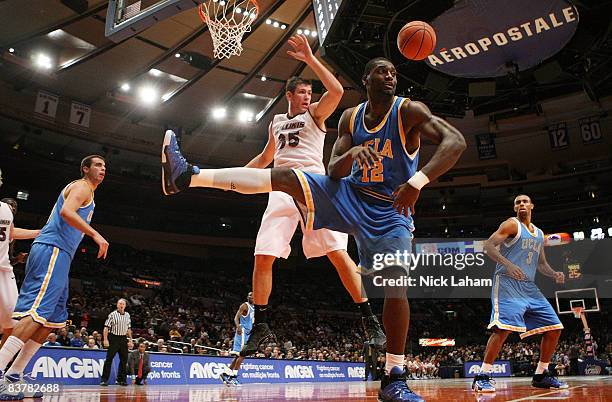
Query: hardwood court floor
[{"x": 591, "y": 389}]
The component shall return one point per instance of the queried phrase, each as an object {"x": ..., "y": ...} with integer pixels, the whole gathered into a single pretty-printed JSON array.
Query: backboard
[
  {"x": 126, "y": 18},
  {"x": 585, "y": 298}
]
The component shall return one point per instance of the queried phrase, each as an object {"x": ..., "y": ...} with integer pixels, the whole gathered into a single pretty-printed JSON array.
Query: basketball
[{"x": 416, "y": 40}]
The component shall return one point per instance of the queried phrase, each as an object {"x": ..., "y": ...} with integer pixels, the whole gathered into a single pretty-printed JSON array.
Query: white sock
[
  {"x": 23, "y": 358},
  {"x": 228, "y": 371},
  {"x": 235, "y": 373},
  {"x": 393, "y": 361},
  {"x": 486, "y": 368},
  {"x": 542, "y": 367},
  {"x": 9, "y": 349},
  {"x": 241, "y": 180}
]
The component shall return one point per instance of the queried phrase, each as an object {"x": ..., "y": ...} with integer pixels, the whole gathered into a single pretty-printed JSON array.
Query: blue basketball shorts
[
  {"x": 378, "y": 228},
  {"x": 520, "y": 306},
  {"x": 239, "y": 341},
  {"x": 44, "y": 291}
]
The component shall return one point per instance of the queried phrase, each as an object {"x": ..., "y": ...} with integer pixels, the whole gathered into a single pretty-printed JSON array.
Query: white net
[{"x": 227, "y": 21}]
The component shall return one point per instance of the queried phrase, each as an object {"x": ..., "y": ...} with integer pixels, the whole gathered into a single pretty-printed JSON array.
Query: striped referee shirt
[{"x": 118, "y": 324}]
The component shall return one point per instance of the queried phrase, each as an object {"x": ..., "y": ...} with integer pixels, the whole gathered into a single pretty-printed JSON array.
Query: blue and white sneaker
[
  {"x": 235, "y": 381},
  {"x": 7, "y": 392},
  {"x": 226, "y": 378},
  {"x": 176, "y": 171},
  {"x": 548, "y": 381},
  {"x": 393, "y": 388},
  {"x": 24, "y": 379},
  {"x": 483, "y": 383}
]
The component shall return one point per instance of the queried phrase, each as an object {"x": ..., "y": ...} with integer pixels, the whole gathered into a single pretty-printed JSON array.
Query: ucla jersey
[
  {"x": 389, "y": 139},
  {"x": 57, "y": 232},
  {"x": 523, "y": 250},
  {"x": 246, "y": 321}
]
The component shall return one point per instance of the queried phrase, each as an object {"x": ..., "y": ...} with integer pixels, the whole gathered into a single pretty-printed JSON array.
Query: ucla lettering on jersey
[
  {"x": 389, "y": 139},
  {"x": 57, "y": 232},
  {"x": 523, "y": 250}
]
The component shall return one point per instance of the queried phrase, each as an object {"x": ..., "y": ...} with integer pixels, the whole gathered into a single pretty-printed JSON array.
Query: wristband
[{"x": 419, "y": 180}]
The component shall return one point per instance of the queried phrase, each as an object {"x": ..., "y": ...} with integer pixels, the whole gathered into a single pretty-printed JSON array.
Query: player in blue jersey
[
  {"x": 244, "y": 319},
  {"x": 41, "y": 305},
  {"x": 377, "y": 148},
  {"x": 518, "y": 305}
]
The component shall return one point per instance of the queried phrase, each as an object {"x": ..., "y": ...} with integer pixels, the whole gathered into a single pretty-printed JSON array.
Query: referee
[{"x": 117, "y": 330}]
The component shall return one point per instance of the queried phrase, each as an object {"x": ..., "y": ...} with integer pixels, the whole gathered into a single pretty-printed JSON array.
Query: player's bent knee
[{"x": 285, "y": 180}]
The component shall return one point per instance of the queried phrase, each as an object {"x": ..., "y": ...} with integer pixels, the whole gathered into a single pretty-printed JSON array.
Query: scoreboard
[{"x": 325, "y": 11}]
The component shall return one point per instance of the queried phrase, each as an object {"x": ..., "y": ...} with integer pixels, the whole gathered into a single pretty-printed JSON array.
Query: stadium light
[
  {"x": 177, "y": 55},
  {"x": 219, "y": 113},
  {"x": 148, "y": 94},
  {"x": 155, "y": 72},
  {"x": 268, "y": 21},
  {"x": 43, "y": 61},
  {"x": 306, "y": 32},
  {"x": 263, "y": 78},
  {"x": 313, "y": 34},
  {"x": 299, "y": 31},
  {"x": 125, "y": 87},
  {"x": 245, "y": 115},
  {"x": 275, "y": 24},
  {"x": 11, "y": 50}
]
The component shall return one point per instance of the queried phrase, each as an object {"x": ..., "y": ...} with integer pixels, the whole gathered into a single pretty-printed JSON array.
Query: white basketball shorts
[
  {"x": 278, "y": 225},
  {"x": 8, "y": 298}
]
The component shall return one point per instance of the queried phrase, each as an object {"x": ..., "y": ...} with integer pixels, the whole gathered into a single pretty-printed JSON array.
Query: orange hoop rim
[
  {"x": 577, "y": 311},
  {"x": 204, "y": 18}
]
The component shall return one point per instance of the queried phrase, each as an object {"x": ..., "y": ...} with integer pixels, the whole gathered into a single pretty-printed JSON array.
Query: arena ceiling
[{"x": 166, "y": 76}]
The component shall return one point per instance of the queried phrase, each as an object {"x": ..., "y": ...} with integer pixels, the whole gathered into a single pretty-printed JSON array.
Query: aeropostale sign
[{"x": 477, "y": 38}]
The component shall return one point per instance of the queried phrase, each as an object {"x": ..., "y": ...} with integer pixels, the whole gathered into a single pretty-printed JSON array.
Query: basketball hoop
[
  {"x": 577, "y": 311},
  {"x": 227, "y": 21}
]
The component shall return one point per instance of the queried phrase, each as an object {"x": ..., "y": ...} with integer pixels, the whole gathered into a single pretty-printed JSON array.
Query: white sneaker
[
  {"x": 28, "y": 392},
  {"x": 8, "y": 392}
]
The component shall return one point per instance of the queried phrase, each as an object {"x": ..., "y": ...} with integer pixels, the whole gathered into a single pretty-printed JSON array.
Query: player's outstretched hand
[
  {"x": 102, "y": 245},
  {"x": 301, "y": 48},
  {"x": 515, "y": 272},
  {"x": 366, "y": 156},
  {"x": 559, "y": 277},
  {"x": 406, "y": 197}
]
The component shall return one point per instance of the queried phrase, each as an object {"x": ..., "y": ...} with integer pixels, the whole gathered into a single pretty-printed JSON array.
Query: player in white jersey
[
  {"x": 296, "y": 140},
  {"x": 8, "y": 286}
]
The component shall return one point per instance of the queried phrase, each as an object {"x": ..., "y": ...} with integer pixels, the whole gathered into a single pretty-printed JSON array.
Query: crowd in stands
[{"x": 184, "y": 305}]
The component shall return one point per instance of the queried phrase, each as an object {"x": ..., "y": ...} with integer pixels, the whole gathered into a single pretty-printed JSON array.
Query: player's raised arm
[
  {"x": 265, "y": 157},
  {"x": 79, "y": 193},
  {"x": 344, "y": 153},
  {"x": 451, "y": 144},
  {"x": 509, "y": 228},
  {"x": 23, "y": 234},
  {"x": 419, "y": 121},
  {"x": 547, "y": 270},
  {"x": 328, "y": 103}
]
